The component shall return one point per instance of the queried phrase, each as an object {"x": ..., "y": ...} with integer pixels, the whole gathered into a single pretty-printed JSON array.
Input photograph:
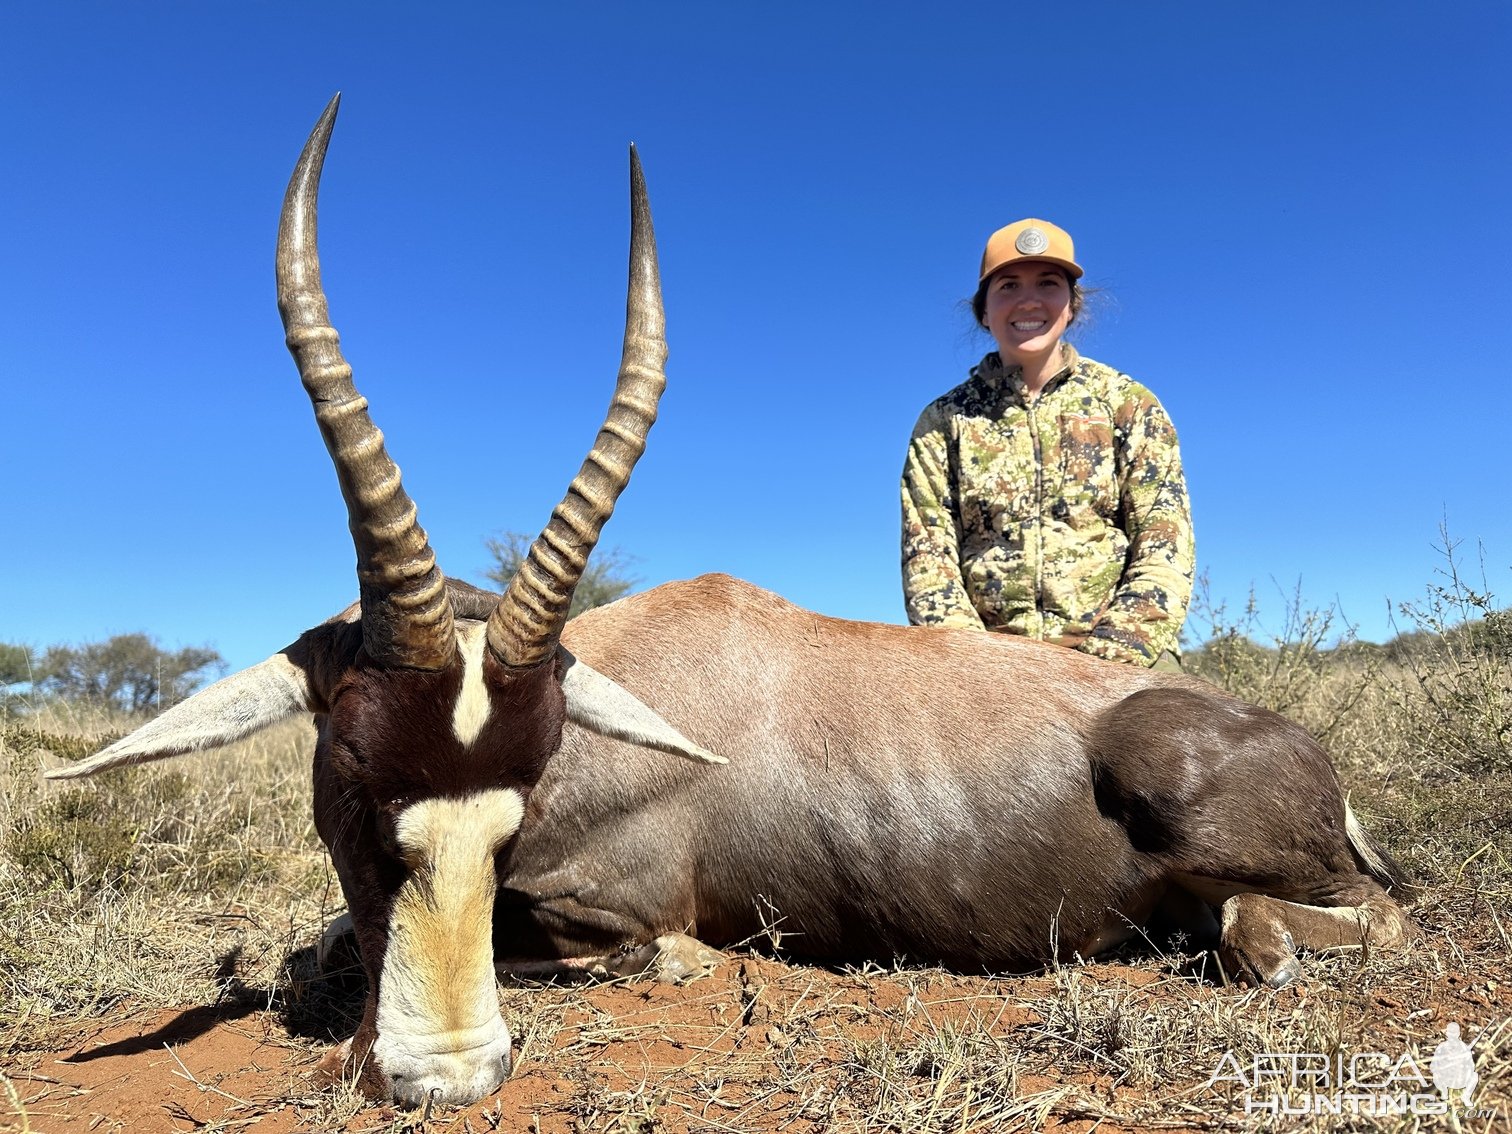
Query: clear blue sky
[{"x": 1298, "y": 213}]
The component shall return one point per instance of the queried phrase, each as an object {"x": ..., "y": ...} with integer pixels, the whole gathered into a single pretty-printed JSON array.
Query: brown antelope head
[{"x": 437, "y": 705}]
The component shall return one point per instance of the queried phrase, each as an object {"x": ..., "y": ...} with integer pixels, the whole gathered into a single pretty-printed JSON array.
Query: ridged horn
[
  {"x": 406, "y": 618},
  {"x": 524, "y": 627}
]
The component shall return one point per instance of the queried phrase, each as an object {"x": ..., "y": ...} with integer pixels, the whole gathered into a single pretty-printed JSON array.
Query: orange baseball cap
[{"x": 1029, "y": 240}]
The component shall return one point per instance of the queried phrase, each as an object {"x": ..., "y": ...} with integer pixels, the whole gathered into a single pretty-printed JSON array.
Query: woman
[{"x": 1044, "y": 495}]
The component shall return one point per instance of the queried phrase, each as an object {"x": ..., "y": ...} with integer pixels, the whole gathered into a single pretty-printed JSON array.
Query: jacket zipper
[{"x": 1039, "y": 519}]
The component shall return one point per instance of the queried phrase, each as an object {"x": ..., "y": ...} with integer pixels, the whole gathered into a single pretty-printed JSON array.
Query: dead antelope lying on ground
[{"x": 892, "y": 792}]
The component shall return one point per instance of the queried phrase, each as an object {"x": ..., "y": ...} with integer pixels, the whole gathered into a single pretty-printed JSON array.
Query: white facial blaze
[
  {"x": 439, "y": 1028},
  {"x": 471, "y": 712}
]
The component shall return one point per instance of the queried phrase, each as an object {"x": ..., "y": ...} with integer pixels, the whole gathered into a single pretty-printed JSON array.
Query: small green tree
[
  {"x": 130, "y": 672},
  {"x": 16, "y": 668},
  {"x": 15, "y": 664},
  {"x": 607, "y": 577}
]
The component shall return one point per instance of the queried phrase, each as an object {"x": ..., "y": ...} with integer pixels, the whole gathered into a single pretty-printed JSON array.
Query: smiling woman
[{"x": 1044, "y": 495}]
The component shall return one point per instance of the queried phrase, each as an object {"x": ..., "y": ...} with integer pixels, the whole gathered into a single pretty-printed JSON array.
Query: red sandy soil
[{"x": 750, "y": 1048}]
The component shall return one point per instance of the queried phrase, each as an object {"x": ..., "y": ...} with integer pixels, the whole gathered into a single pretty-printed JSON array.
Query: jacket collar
[{"x": 990, "y": 370}]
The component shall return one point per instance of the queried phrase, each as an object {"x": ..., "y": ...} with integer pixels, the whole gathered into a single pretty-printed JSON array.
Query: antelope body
[{"x": 493, "y": 783}]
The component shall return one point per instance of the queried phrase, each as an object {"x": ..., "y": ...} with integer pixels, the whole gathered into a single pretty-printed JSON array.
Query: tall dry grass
[{"x": 184, "y": 882}]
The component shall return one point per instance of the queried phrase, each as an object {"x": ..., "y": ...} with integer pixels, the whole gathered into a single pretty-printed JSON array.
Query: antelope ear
[
  {"x": 232, "y": 708},
  {"x": 609, "y": 709}
]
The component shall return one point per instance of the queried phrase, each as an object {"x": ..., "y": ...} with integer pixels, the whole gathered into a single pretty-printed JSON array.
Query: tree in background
[
  {"x": 16, "y": 668},
  {"x": 130, "y": 672},
  {"x": 607, "y": 577}
]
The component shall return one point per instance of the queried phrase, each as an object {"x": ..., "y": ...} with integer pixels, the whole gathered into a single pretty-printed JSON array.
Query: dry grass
[
  {"x": 200, "y": 885},
  {"x": 183, "y": 883}
]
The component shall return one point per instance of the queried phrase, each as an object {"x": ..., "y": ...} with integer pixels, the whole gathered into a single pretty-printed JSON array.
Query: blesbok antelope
[{"x": 892, "y": 792}]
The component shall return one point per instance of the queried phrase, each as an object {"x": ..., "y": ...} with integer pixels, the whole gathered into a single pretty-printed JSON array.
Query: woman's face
[{"x": 1027, "y": 309}]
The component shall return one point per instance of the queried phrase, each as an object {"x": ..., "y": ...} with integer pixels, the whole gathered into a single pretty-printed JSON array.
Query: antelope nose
[
  {"x": 452, "y": 1084},
  {"x": 454, "y": 1068}
]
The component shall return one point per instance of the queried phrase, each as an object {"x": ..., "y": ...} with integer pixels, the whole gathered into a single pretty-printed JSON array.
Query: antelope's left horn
[
  {"x": 525, "y": 625},
  {"x": 406, "y": 618}
]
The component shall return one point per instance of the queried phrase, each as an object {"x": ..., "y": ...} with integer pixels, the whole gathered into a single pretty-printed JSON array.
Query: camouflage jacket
[{"x": 1063, "y": 517}]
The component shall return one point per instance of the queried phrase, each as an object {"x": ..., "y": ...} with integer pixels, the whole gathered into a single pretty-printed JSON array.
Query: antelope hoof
[
  {"x": 673, "y": 958},
  {"x": 332, "y": 1066},
  {"x": 1288, "y": 971}
]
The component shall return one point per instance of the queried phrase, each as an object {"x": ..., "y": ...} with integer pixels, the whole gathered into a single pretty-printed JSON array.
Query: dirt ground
[{"x": 764, "y": 1046}]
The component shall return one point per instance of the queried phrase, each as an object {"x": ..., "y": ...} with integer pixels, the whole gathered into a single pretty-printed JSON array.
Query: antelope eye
[{"x": 388, "y": 839}]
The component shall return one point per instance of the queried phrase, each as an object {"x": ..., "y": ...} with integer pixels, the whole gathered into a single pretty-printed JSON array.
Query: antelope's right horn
[{"x": 406, "y": 617}]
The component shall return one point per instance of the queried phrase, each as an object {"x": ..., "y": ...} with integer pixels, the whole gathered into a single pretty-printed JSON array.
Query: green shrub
[{"x": 76, "y": 838}]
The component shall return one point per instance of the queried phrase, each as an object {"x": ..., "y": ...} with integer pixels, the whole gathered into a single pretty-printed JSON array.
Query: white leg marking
[
  {"x": 471, "y": 713},
  {"x": 1352, "y": 916},
  {"x": 439, "y": 1030},
  {"x": 1359, "y": 925}
]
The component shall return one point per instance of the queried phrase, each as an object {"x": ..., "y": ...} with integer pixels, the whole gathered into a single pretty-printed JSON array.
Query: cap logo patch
[{"x": 1031, "y": 242}]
